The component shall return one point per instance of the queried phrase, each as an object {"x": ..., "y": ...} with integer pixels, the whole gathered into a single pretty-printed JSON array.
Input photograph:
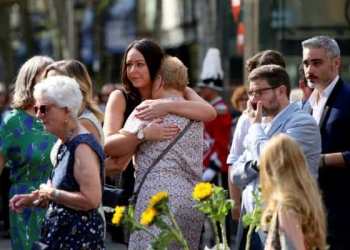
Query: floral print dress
[
  {"x": 26, "y": 147},
  {"x": 176, "y": 173}
]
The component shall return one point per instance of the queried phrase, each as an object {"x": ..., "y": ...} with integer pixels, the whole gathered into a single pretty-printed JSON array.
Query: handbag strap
[{"x": 134, "y": 196}]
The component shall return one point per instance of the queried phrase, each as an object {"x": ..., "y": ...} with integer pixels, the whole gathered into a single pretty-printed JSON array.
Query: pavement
[
  {"x": 5, "y": 244},
  {"x": 207, "y": 240}
]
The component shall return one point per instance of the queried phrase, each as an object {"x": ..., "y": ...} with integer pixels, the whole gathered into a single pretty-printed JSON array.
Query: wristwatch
[{"x": 140, "y": 135}]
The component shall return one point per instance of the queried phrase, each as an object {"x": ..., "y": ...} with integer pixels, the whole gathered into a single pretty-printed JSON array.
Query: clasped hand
[{"x": 43, "y": 194}]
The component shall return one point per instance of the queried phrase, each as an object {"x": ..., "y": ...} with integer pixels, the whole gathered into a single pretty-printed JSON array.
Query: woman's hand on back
[
  {"x": 151, "y": 109},
  {"x": 158, "y": 131}
]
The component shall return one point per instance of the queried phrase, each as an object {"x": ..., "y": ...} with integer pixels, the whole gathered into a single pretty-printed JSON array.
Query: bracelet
[
  {"x": 323, "y": 157},
  {"x": 57, "y": 195}
]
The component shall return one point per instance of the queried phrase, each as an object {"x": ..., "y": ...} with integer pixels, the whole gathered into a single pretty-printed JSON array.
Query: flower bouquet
[
  {"x": 154, "y": 214},
  {"x": 212, "y": 201}
]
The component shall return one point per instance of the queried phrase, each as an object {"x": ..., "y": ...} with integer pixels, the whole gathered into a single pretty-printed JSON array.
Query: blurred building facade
[{"x": 98, "y": 31}]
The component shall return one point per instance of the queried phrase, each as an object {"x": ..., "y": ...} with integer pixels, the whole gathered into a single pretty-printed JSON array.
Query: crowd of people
[{"x": 58, "y": 147}]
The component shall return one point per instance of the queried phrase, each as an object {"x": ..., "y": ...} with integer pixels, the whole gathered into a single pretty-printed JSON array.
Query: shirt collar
[{"x": 325, "y": 94}]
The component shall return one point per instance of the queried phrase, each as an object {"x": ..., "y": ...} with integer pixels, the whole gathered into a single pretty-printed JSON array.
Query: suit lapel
[
  {"x": 281, "y": 120},
  {"x": 330, "y": 101},
  {"x": 323, "y": 116}
]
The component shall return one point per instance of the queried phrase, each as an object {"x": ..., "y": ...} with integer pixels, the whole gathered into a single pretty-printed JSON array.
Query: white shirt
[
  {"x": 318, "y": 105},
  {"x": 237, "y": 147}
]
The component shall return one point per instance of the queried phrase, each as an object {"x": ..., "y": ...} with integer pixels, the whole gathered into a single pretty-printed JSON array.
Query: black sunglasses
[{"x": 42, "y": 108}]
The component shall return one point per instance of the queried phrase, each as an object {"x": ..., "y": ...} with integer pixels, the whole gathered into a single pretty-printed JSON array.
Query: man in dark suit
[{"x": 330, "y": 107}]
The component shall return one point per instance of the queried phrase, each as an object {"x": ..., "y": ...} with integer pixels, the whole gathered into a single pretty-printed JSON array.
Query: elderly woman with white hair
[{"x": 73, "y": 192}]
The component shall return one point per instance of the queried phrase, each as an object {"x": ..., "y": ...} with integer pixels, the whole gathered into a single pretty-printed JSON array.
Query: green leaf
[{"x": 163, "y": 241}]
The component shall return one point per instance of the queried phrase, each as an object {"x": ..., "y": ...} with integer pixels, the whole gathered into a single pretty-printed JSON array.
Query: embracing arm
[
  {"x": 117, "y": 144},
  {"x": 114, "y": 165},
  {"x": 194, "y": 108}
]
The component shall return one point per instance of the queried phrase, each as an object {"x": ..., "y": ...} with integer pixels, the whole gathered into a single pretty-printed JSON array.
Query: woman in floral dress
[{"x": 179, "y": 170}]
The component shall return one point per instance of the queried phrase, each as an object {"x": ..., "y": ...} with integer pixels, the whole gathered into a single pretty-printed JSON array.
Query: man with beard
[
  {"x": 330, "y": 108},
  {"x": 269, "y": 92}
]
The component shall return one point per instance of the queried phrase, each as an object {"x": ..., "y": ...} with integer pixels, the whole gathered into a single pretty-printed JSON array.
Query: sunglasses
[
  {"x": 258, "y": 92},
  {"x": 42, "y": 109}
]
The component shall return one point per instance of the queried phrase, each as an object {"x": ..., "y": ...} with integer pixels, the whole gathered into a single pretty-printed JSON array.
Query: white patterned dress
[{"x": 177, "y": 173}]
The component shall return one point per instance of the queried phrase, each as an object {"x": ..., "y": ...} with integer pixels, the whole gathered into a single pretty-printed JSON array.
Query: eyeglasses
[
  {"x": 42, "y": 108},
  {"x": 258, "y": 92}
]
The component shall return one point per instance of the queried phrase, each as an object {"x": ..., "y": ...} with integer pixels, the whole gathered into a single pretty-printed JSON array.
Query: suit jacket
[
  {"x": 334, "y": 182},
  {"x": 292, "y": 121}
]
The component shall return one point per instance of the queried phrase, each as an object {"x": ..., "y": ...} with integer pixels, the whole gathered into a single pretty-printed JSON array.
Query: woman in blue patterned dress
[
  {"x": 73, "y": 193},
  {"x": 25, "y": 146}
]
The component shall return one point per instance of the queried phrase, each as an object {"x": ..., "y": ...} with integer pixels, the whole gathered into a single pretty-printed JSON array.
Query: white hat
[{"x": 212, "y": 74}]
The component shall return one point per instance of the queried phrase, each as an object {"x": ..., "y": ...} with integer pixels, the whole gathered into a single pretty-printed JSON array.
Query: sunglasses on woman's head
[{"x": 42, "y": 109}]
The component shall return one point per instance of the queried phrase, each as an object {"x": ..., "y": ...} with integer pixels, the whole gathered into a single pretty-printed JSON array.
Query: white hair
[{"x": 62, "y": 91}]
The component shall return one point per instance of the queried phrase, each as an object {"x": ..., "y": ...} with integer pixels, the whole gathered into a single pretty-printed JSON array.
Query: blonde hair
[
  {"x": 25, "y": 81},
  {"x": 286, "y": 180},
  {"x": 174, "y": 74},
  {"x": 78, "y": 71}
]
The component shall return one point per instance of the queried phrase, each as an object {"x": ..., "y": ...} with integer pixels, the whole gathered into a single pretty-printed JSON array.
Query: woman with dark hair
[{"x": 142, "y": 60}]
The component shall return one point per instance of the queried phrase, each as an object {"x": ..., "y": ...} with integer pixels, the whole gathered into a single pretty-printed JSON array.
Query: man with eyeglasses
[
  {"x": 330, "y": 108},
  {"x": 269, "y": 90}
]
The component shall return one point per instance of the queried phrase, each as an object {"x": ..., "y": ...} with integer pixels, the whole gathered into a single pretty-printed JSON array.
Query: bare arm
[
  {"x": 194, "y": 108},
  {"x": 117, "y": 164},
  {"x": 118, "y": 144},
  {"x": 290, "y": 225},
  {"x": 87, "y": 174},
  {"x": 333, "y": 160},
  {"x": 235, "y": 194}
]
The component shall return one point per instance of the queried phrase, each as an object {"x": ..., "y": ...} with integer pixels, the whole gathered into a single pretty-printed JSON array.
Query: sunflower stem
[{"x": 177, "y": 232}]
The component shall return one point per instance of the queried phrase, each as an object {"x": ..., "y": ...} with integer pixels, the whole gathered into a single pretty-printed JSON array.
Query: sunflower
[
  {"x": 118, "y": 215},
  {"x": 157, "y": 198},
  {"x": 148, "y": 216},
  {"x": 202, "y": 190}
]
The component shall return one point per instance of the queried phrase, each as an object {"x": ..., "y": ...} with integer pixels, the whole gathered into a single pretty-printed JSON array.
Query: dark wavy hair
[{"x": 153, "y": 55}]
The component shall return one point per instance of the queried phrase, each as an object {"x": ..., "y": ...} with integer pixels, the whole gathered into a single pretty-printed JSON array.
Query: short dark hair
[
  {"x": 264, "y": 58},
  {"x": 275, "y": 75},
  {"x": 302, "y": 76}
]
